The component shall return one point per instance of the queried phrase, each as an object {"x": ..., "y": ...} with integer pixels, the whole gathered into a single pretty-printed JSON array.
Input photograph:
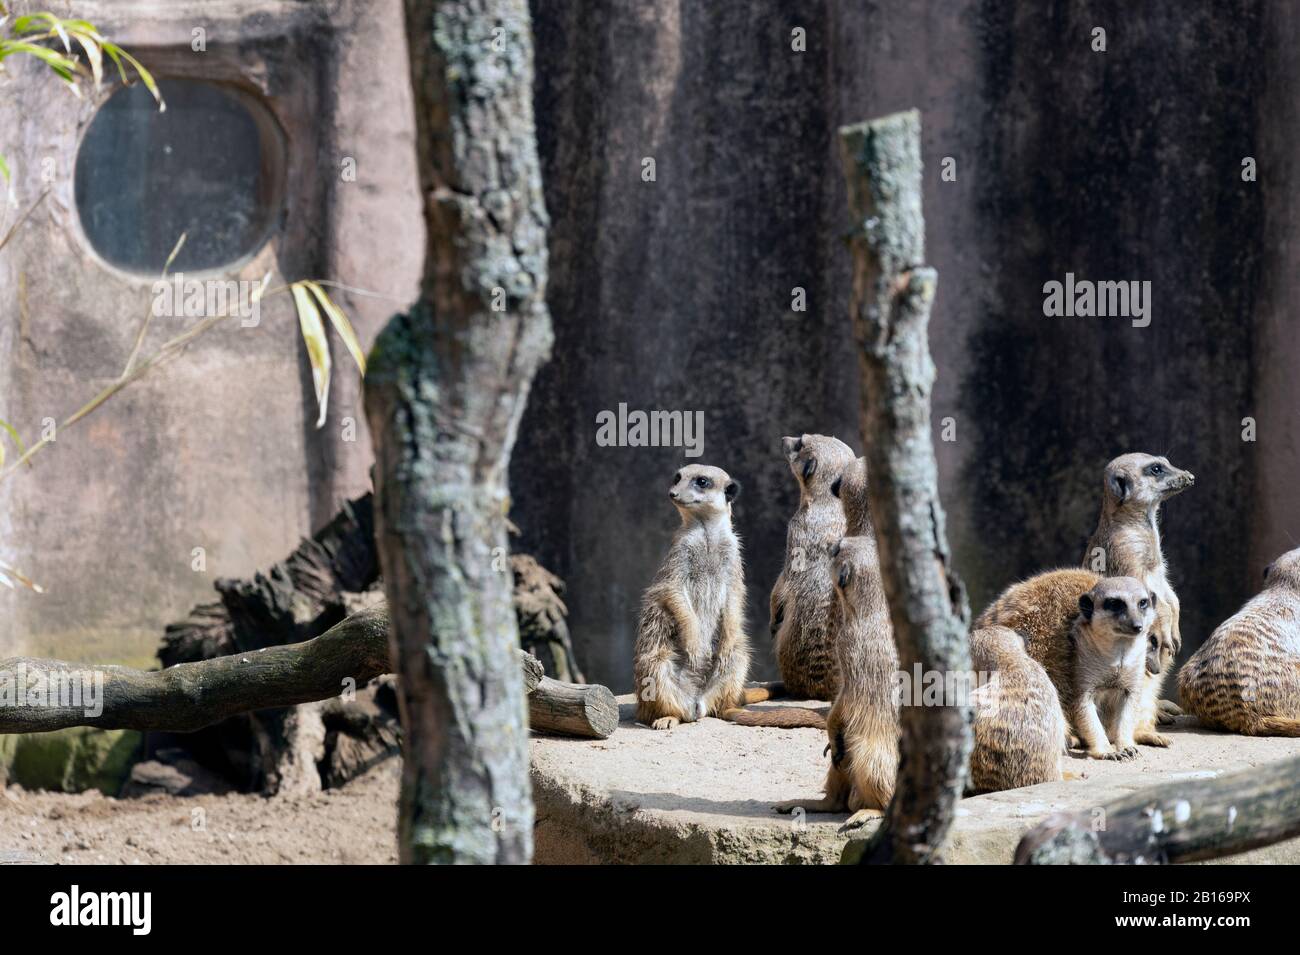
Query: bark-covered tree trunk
[
  {"x": 892, "y": 293},
  {"x": 445, "y": 390}
]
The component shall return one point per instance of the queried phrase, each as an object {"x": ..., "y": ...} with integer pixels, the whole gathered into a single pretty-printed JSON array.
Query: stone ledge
[{"x": 703, "y": 793}]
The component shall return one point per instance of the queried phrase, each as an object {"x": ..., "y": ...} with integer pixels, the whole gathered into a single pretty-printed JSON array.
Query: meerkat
[
  {"x": 851, "y": 489},
  {"x": 803, "y": 596},
  {"x": 1043, "y": 611},
  {"x": 1104, "y": 694},
  {"x": 1127, "y": 543},
  {"x": 692, "y": 653},
  {"x": 862, "y": 727},
  {"x": 1019, "y": 727},
  {"x": 1246, "y": 677}
]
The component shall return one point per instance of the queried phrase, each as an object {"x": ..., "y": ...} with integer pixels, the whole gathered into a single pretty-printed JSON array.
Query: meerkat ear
[
  {"x": 1118, "y": 484},
  {"x": 1085, "y": 605},
  {"x": 846, "y": 574},
  {"x": 732, "y": 490},
  {"x": 835, "y": 486},
  {"x": 1268, "y": 570},
  {"x": 835, "y": 548},
  {"x": 809, "y": 468}
]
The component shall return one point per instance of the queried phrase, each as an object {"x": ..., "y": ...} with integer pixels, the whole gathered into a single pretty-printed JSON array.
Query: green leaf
[
  {"x": 13, "y": 436},
  {"x": 318, "y": 349}
]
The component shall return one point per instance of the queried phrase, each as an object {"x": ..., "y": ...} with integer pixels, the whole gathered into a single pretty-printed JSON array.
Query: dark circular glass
[{"x": 209, "y": 166}]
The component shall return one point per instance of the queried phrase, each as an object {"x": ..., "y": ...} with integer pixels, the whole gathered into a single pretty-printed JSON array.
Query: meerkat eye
[
  {"x": 1156, "y": 469},
  {"x": 1143, "y": 604},
  {"x": 1112, "y": 605},
  {"x": 703, "y": 483}
]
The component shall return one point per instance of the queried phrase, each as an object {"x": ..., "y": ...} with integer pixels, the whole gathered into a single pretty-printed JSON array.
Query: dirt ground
[{"x": 352, "y": 825}]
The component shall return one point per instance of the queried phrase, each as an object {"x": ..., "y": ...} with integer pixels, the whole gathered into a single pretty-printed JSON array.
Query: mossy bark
[
  {"x": 445, "y": 390},
  {"x": 892, "y": 294}
]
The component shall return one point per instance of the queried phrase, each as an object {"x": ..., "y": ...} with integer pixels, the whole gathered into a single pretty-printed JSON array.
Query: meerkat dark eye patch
[
  {"x": 1155, "y": 470},
  {"x": 835, "y": 486},
  {"x": 809, "y": 468},
  {"x": 1143, "y": 603},
  {"x": 732, "y": 490},
  {"x": 1112, "y": 605},
  {"x": 703, "y": 483}
]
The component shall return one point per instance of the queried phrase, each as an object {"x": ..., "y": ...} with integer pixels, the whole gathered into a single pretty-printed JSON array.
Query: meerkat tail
[
  {"x": 1276, "y": 726},
  {"x": 787, "y": 717},
  {"x": 761, "y": 694}
]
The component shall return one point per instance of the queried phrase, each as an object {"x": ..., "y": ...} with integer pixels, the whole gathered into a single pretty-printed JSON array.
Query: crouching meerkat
[
  {"x": 692, "y": 654},
  {"x": 1126, "y": 543},
  {"x": 1108, "y": 650},
  {"x": 1246, "y": 676},
  {"x": 803, "y": 595},
  {"x": 1043, "y": 610},
  {"x": 862, "y": 727},
  {"x": 1019, "y": 728}
]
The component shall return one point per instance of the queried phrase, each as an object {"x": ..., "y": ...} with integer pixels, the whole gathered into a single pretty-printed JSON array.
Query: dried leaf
[
  {"x": 9, "y": 576},
  {"x": 341, "y": 325},
  {"x": 318, "y": 349}
]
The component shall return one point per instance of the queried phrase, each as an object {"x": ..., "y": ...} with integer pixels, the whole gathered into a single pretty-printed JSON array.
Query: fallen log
[
  {"x": 190, "y": 696},
  {"x": 571, "y": 709},
  {"x": 1184, "y": 821}
]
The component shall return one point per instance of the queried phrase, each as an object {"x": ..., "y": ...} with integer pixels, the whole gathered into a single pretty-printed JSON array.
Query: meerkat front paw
[
  {"x": 665, "y": 723},
  {"x": 1166, "y": 711},
  {"x": 859, "y": 819},
  {"x": 1153, "y": 739},
  {"x": 1119, "y": 754}
]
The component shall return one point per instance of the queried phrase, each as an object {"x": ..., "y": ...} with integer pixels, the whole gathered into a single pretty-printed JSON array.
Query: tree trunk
[
  {"x": 892, "y": 292},
  {"x": 445, "y": 389},
  {"x": 1185, "y": 821}
]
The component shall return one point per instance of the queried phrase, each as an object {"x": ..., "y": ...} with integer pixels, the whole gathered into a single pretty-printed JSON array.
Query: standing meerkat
[
  {"x": 1104, "y": 693},
  {"x": 692, "y": 655},
  {"x": 851, "y": 489},
  {"x": 1019, "y": 728},
  {"x": 862, "y": 727},
  {"x": 1246, "y": 676},
  {"x": 1127, "y": 543},
  {"x": 803, "y": 595}
]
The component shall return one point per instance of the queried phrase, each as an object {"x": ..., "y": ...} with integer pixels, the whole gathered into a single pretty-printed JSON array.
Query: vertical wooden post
[{"x": 892, "y": 294}]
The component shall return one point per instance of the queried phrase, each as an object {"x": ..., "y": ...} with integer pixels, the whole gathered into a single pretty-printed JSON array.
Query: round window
[{"x": 210, "y": 166}]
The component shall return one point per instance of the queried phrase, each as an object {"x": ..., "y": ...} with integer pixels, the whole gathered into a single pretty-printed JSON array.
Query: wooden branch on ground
[
  {"x": 892, "y": 294},
  {"x": 572, "y": 709},
  {"x": 1185, "y": 821},
  {"x": 191, "y": 696}
]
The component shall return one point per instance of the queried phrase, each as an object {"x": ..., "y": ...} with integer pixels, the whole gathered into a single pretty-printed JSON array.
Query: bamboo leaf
[
  {"x": 13, "y": 436},
  {"x": 318, "y": 349},
  {"x": 341, "y": 325},
  {"x": 9, "y": 576},
  {"x": 117, "y": 55}
]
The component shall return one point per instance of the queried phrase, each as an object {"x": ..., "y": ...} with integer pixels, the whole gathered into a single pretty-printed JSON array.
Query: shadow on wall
[{"x": 677, "y": 293}]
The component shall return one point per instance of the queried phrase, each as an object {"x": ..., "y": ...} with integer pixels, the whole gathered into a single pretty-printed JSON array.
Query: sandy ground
[{"x": 352, "y": 825}]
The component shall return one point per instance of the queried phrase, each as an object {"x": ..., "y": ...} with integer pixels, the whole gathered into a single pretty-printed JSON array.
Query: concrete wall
[
  {"x": 676, "y": 294},
  {"x": 1117, "y": 165},
  {"x": 219, "y": 448}
]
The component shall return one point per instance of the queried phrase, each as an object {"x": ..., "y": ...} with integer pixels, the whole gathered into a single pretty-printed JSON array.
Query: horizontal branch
[
  {"x": 1184, "y": 821},
  {"x": 190, "y": 696}
]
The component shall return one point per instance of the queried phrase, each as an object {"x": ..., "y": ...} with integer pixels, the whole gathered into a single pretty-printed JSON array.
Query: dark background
[{"x": 1122, "y": 165}]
